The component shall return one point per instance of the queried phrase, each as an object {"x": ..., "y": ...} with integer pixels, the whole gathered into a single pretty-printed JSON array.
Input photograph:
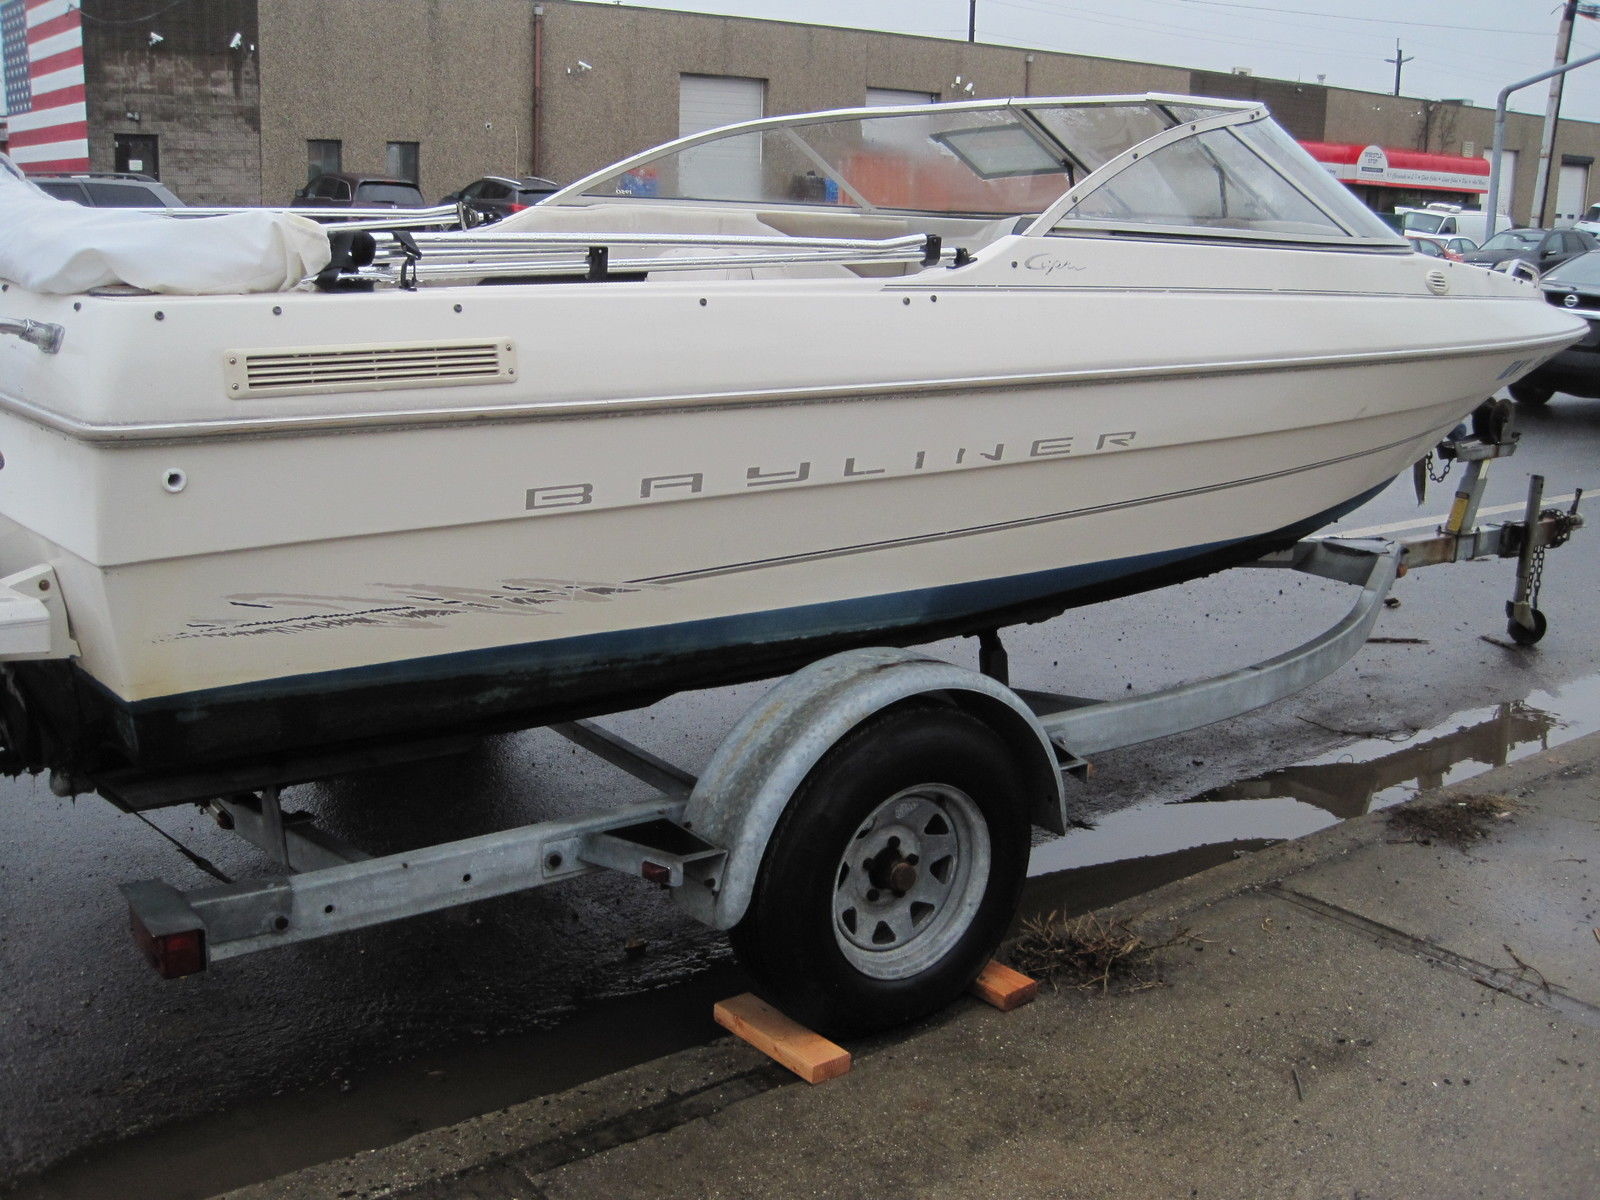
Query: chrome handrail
[{"x": 39, "y": 333}]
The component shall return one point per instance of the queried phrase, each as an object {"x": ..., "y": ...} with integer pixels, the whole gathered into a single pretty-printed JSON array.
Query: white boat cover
[{"x": 50, "y": 245}]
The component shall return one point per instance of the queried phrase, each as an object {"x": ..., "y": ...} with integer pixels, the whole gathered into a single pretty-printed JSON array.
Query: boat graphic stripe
[
  {"x": 1018, "y": 523},
  {"x": 882, "y": 618}
]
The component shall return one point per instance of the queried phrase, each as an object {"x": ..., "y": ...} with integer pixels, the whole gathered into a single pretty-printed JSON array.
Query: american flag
[{"x": 41, "y": 49}]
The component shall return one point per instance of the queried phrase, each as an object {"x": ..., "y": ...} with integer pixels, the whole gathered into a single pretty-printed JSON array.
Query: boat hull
[{"x": 248, "y": 579}]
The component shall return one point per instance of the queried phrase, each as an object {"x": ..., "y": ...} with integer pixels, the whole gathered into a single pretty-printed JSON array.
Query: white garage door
[
  {"x": 729, "y": 170},
  {"x": 1572, "y": 186},
  {"x": 1508, "y": 178}
]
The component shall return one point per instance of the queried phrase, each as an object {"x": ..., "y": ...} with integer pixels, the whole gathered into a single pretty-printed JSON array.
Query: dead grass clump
[
  {"x": 1089, "y": 954},
  {"x": 1456, "y": 823}
]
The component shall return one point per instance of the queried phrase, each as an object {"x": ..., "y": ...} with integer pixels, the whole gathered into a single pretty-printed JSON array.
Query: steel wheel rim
[{"x": 910, "y": 882}]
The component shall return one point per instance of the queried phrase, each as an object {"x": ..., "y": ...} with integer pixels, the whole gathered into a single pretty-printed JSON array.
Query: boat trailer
[{"x": 911, "y": 893}]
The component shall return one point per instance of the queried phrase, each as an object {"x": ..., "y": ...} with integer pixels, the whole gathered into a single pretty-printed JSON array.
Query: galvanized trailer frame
[{"x": 706, "y": 839}]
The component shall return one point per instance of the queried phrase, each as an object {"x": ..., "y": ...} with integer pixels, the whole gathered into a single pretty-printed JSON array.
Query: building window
[
  {"x": 137, "y": 154},
  {"x": 402, "y": 162},
  {"x": 323, "y": 156},
  {"x": 890, "y": 97}
]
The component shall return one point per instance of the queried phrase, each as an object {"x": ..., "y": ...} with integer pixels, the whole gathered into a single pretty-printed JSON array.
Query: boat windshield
[
  {"x": 981, "y": 160},
  {"x": 1151, "y": 162},
  {"x": 1244, "y": 180}
]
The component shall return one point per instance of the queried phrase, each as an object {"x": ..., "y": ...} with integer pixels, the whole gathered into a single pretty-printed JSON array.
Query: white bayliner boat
[{"x": 859, "y": 377}]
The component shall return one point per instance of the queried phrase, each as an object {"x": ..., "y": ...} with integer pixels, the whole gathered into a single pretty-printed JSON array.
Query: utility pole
[
  {"x": 1399, "y": 60},
  {"x": 972, "y": 20},
  {"x": 1552, "y": 114}
]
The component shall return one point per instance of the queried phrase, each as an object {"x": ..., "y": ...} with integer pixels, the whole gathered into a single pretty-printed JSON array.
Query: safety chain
[
  {"x": 1427, "y": 462},
  {"x": 1561, "y": 526}
]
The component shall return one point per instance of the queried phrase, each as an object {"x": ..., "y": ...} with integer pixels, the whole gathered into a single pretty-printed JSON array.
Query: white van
[
  {"x": 1439, "y": 221},
  {"x": 1590, "y": 221}
]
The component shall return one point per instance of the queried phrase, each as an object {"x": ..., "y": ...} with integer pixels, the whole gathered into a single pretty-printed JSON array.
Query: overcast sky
[{"x": 1467, "y": 49}]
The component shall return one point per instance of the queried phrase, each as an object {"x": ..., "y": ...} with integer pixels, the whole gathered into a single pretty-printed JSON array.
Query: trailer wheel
[
  {"x": 1523, "y": 636},
  {"x": 892, "y": 874}
]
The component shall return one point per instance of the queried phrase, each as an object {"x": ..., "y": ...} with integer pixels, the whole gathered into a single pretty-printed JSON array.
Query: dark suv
[
  {"x": 108, "y": 190},
  {"x": 341, "y": 189},
  {"x": 495, "y": 197}
]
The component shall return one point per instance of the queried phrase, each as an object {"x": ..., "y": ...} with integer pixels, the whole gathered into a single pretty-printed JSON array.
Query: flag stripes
[{"x": 41, "y": 50}]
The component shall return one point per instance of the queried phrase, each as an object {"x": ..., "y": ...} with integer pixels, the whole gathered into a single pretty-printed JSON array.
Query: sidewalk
[{"x": 1366, "y": 1016}]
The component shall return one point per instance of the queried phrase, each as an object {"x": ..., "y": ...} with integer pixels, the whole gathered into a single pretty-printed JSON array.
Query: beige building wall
[
  {"x": 628, "y": 101},
  {"x": 494, "y": 87},
  {"x": 454, "y": 76}
]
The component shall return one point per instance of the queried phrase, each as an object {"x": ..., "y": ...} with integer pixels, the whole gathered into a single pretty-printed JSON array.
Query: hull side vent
[{"x": 373, "y": 367}]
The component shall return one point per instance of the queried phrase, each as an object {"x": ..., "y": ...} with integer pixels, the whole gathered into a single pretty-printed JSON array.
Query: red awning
[{"x": 1379, "y": 166}]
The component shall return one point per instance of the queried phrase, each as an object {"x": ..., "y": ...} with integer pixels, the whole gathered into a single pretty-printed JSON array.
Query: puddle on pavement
[
  {"x": 1150, "y": 844},
  {"x": 1126, "y": 854}
]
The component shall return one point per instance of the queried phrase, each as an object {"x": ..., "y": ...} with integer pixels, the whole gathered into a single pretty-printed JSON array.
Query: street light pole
[
  {"x": 1552, "y": 114},
  {"x": 1498, "y": 151},
  {"x": 972, "y": 20}
]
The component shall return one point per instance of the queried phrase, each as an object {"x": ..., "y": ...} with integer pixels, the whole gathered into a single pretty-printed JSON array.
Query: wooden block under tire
[
  {"x": 999, "y": 985},
  {"x": 807, "y": 1053}
]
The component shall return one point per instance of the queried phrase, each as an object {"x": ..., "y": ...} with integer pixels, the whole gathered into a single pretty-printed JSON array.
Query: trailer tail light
[
  {"x": 656, "y": 872},
  {"x": 174, "y": 954}
]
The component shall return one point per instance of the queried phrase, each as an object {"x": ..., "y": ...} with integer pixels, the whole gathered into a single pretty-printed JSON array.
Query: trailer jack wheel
[
  {"x": 892, "y": 874},
  {"x": 1522, "y": 635}
]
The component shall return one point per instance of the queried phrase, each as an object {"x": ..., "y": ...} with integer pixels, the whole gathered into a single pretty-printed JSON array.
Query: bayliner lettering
[{"x": 696, "y": 483}]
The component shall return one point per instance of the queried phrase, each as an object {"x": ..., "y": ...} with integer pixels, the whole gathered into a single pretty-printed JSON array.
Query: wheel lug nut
[{"x": 872, "y": 894}]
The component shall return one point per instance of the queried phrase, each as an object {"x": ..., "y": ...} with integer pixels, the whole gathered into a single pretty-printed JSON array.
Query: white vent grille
[
  {"x": 1437, "y": 283},
  {"x": 373, "y": 367}
]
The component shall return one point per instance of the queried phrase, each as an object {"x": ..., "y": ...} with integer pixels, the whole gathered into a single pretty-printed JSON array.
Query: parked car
[
  {"x": 495, "y": 197},
  {"x": 106, "y": 189},
  {"x": 342, "y": 189},
  {"x": 1590, "y": 221},
  {"x": 1540, "y": 248},
  {"x": 1453, "y": 248},
  {"x": 1574, "y": 286}
]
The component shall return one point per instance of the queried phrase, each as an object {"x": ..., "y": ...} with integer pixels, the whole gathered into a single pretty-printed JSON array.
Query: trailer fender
[{"x": 756, "y": 770}]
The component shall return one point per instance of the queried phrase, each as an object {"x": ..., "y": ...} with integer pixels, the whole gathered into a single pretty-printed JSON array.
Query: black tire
[
  {"x": 1528, "y": 637},
  {"x": 1524, "y": 392},
  {"x": 812, "y": 938}
]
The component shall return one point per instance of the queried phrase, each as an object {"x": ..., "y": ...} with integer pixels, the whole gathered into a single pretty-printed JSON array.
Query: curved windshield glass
[
  {"x": 982, "y": 160},
  {"x": 1244, "y": 181},
  {"x": 1513, "y": 239}
]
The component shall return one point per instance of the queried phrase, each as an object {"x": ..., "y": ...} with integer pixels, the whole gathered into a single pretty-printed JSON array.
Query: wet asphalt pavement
[{"x": 113, "y": 1082}]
